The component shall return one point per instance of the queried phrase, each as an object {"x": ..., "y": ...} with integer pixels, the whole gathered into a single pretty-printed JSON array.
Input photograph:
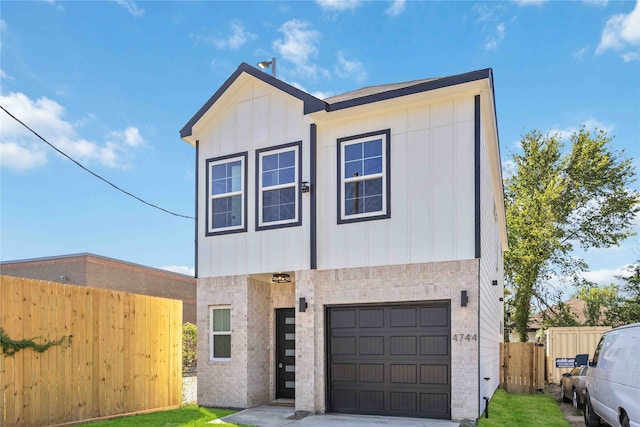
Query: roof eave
[{"x": 410, "y": 90}]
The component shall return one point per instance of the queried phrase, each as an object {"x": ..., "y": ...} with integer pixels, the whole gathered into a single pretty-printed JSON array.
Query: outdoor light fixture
[
  {"x": 266, "y": 64},
  {"x": 464, "y": 298},
  {"x": 304, "y": 186},
  {"x": 494, "y": 282},
  {"x": 281, "y": 278},
  {"x": 302, "y": 305}
]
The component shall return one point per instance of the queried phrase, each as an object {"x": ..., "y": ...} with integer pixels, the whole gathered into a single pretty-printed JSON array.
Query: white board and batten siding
[
  {"x": 432, "y": 187},
  {"x": 256, "y": 116},
  {"x": 491, "y": 268}
]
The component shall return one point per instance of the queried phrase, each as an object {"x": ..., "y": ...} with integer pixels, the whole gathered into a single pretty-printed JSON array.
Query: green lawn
[
  {"x": 528, "y": 410},
  {"x": 191, "y": 416}
]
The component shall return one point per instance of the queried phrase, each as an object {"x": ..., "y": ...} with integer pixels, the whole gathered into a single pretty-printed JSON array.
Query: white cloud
[
  {"x": 322, "y": 95},
  {"x": 589, "y": 124},
  {"x": 3, "y": 26},
  {"x": 131, "y": 6},
  {"x": 237, "y": 38},
  {"x": 339, "y": 5},
  {"x": 621, "y": 32},
  {"x": 605, "y": 276},
  {"x": 396, "y": 8},
  {"x": 350, "y": 69},
  {"x": 20, "y": 158},
  {"x": 494, "y": 39},
  {"x": 181, "y": 269},
  {"x": 630, "y": 56},
  {"x": 579, "y": 54},
  {"x": 298, "y": 46},
  {"x": 21, "y": 150},
  {"x": 130, "y": 136},
  {"x": 4, "y": 75},
  {"x": 486, "y": 12}
]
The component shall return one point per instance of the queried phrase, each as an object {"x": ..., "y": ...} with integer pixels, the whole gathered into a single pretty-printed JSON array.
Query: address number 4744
[{"x": 464, "y": 337}]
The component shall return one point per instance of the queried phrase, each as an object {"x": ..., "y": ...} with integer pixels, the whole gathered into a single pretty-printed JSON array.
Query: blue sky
[{"x": 111, "y": 83}]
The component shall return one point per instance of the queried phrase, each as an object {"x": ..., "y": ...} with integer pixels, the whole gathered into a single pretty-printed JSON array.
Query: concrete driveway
[{"x": 277, "y": 416}]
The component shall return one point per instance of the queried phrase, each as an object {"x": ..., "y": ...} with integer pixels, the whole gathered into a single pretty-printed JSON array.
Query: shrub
[{"x": 189, "y": 348}]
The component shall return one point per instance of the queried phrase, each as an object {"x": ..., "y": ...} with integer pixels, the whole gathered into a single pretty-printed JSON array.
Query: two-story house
[{"x": 349, "y": 250}]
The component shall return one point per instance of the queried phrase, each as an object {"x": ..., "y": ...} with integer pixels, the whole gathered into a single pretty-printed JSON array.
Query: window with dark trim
[
  {"x": 363, "y": 177},
  {"x": 227, "y": 194},
  {"x": 277, "y": 179}
]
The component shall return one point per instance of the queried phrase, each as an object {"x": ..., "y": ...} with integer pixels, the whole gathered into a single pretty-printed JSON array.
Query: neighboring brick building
[
  {"x": 350, "y": 250},
  {"x": 108, "y": 273}
]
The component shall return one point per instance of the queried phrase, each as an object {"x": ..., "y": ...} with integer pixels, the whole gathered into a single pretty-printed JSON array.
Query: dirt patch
[{"x": 575, "y": 418}]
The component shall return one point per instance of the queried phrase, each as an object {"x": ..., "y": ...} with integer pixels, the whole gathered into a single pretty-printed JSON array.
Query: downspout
[{"x": 478, "y": 246}]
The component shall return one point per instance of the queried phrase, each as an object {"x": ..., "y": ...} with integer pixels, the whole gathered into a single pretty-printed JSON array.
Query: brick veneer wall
[
  {"x": 401, "y": 283},
  {"x": 248, "y": 379}
]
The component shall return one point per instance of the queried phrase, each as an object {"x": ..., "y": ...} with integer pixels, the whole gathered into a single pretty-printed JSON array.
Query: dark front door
[{"x": 285, "y": 353}]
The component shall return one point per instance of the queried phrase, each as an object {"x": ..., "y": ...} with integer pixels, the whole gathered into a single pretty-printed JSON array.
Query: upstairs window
[
  {"x": 227, "y": 194},
  {"x": 363, "y": 177},
  {"x": 277, "y": 180}
]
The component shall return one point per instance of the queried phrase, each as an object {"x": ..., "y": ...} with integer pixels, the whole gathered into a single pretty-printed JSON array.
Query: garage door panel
[
  {"x": 343, "y": 319},
  {"x": 344, "y": 372},
  {"x": 431, "y": 317},
  {"x": 402, "y": 317},
  {"x": 434, "y": 374},
  {"x": 404, "y": 402},
  {"x": 371, "y": 346},
  {"x": 343, "y": 346},
  {"x": 405, "y": 374},
  {"x": 433, "y": 404},
  {"x": 371, "y": 373},
  {"x": 347, "y": 398},
  {"x": 390, "y": 360},
  {"x": 371, "y": 400},
  {"x": 372, "y": 318},
  {"x": 404, "y": 346},
  {"x": 436, "y": 345}
]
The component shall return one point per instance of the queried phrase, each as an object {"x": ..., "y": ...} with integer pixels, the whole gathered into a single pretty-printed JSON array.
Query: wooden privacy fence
[
  {"x": 117, "y": 353},
  {"x": 522, "y": 367}
]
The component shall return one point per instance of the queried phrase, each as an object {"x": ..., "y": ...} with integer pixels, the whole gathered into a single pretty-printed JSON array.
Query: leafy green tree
[
  {"x": 602, "y": 303},
  {"x": 628, "y": 308},
  {"x": 557, "y": 199},
  {"x": 613, "y": 305},
  {"x": 189, "y": 347}
]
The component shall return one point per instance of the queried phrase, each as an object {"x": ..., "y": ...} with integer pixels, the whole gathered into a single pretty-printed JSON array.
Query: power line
[{"x": 91, "y": 172}]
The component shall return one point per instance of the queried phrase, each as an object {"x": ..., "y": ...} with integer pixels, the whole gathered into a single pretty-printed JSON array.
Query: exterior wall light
[
  {"x": 266, "y": 64},
  {"x": 302, "y": 305},
  {"x": 464, "y": 298},
  {"x": 281, "y": 278},
  {"x": 304, "y": 186}
]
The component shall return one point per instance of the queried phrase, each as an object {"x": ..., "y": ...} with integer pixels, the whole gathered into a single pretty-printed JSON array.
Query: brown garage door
[{"x": 390, "y": 360}]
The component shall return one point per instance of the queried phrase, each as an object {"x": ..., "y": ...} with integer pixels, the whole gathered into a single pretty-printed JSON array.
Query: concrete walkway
[{"x": 277, "y": 416}]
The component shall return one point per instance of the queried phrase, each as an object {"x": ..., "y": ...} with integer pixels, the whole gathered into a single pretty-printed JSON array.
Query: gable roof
[
  {"x": 354, "y": 98},
  {"x": 311, "y": 103}
]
